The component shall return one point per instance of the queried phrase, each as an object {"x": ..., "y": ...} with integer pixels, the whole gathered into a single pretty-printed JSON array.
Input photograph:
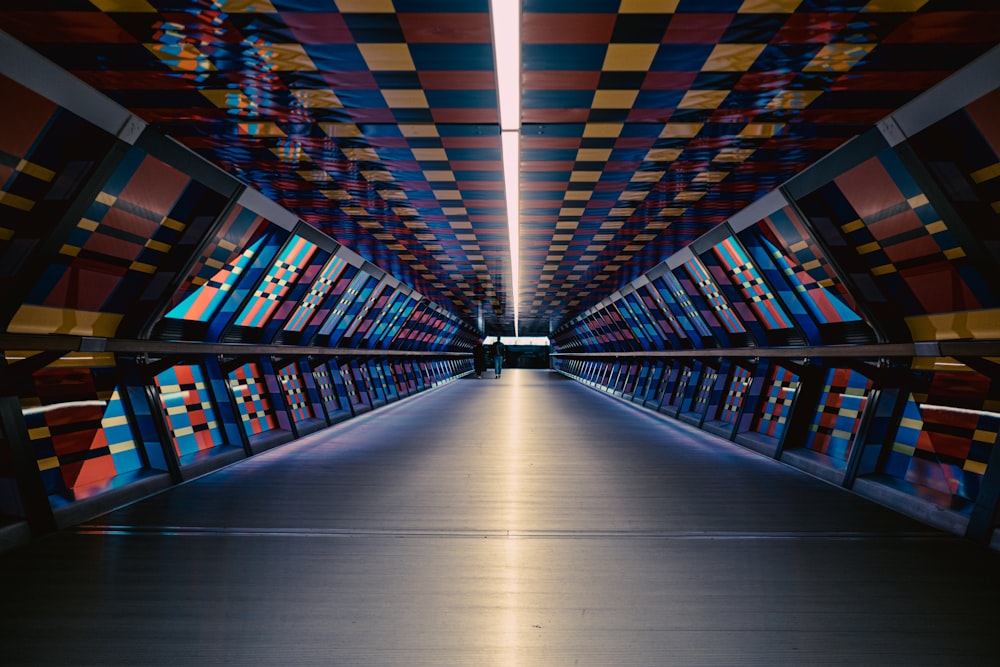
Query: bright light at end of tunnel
[{"x": 506, "y": 21}]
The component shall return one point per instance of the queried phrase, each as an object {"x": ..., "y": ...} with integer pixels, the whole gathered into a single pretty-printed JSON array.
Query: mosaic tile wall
[
  {"x": 191, "y": 416},
  {"x": 947, "y": 433},
  {"x": 252, "y": 399},
  {"x": 771, "y": 417},
  {"x": 296, "y": 395},
  {"x": 845, "y": 394},
  {"x": 739, "y": 384},
  {"x": 77, "y": 423}
]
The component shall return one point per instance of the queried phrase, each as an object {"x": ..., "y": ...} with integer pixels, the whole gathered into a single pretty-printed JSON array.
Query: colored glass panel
[
  {"x": 691, "y": 314},
  {"x": 894, "y": 237},
  {"x": 823, "y": 304},
  {"x": 349, "y": 296},
  {"x": 46, "y": 155},
  {"x": 786, "y": 230},
  {"x": 252, "y": 399},
  {"x": 660, "y": 312},
  {"x": 739, "y": 384},
  {"x": 201, "y": 305},
  {"x": 946, "y": 435},
  {"x": 682, "y": 385},
  {"x": 327, "y": 389},
  {"x": 708, "y": 288},
  {"x": 107, "y": 261},
  {"x": 293, "y": 383},
  {"x": 840, "y": 406},
  {"x": 361, "y": 319},
  {"x": 77, "y": 424},
  {"x": 776, "y": 406},
  {"x": 317, "y": 292},
  {"x": 962, "y": 154},
  {"x": 745, "y": 277},
  {"x": 280, "y": 278},
  {"x": 191, "y": 418},
  {"x": 225, "y": 246},
  {"x": 704, "y": 392}
]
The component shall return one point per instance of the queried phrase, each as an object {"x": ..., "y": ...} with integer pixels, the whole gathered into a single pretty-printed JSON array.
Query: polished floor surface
[{"x": 525, "y": 521}]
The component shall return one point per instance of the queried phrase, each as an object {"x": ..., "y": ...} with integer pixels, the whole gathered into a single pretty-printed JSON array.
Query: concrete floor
[{"x": 525, "y": 521}]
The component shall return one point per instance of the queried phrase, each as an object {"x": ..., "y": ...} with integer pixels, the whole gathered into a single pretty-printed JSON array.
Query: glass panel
[{"x": 191, "y": 418}]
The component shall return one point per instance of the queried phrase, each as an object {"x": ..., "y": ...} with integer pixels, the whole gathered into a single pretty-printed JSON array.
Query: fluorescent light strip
[
  {"x": 511, "y": 144},
  {"x": 961, "y": 411},
  {"x": 506, "y": 22}
]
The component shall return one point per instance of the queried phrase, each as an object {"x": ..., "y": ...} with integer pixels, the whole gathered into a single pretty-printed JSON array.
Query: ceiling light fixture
[{"x": 505, "y": 18}]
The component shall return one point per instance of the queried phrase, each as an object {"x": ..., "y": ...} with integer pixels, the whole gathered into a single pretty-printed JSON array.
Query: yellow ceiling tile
[
  {"x": 360, "y": 154},
  {"x": 670, "y": 210},
  {"x": 732, "y": 57},
  {"x": 629, "y": 57},
  {"x": 733, "y": 154},
  {"x": 584, "y": 176},
  {"x": 387, "y": 57},
  {"x": 392, "y": 194},
  {"x": 593, "y": 154},
  {"x": 377, "y": 175},
  {"x": 189, "y": 59},
  {"x": 430, "y": 154},
  {"x": 702, "y": 99},
  {"x": 647, "y": 176},
  {"x": 769, "y": 6},
  {"x": 648, "y": 6},
  {"x": 604, "y": 130},
  {"x": 894, "y": 6},
  {"x": 315, "y": 176},
  {"x": 340, "y": 130},
  {"x": 577, "y": 195},
  {"x": 710, "y": 177},
  {"x": 365, "y": 6},
  {"x": 405, "y": 99},
  {"x": 633, "y": 195},
  {"x": 663, "y": 155},
  {"x": 260, "y": 130},
  {"x": 761, "y": 130},
  {"x": 571, "y": 212},
  {"x": 419, "y": 130},
  {"x": 441, "y": 175},
  {"x": 286, "y": 57},
  {"x": 838, "y": 57},
  {"x": 793, "y": 99},
  {"x": 317, "y": 99},
  {"x": 125, "y": 5},
  {"x": 614, "y": 99},
  {"x": 680, "y": 130},
  {"x": 447, "y": 195},
  {"x": 689, "y": 195},
  {"x": 623, "y": 211},
  {"x": 336, "y": 195}
]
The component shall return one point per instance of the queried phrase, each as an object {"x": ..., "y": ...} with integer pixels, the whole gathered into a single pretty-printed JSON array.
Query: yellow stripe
[
  {"x": 48, "y": 464},
  {"x": 14, "y": 201},
  {"x": 986, "y": 173},
  {"x": 39, "y": 433},
  {"x": 853, "y": 225},
  {"x": 36, "y": 170}
]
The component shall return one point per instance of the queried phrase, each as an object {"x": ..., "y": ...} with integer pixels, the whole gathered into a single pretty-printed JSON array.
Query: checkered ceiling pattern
[{"x": 645, "y": 122}]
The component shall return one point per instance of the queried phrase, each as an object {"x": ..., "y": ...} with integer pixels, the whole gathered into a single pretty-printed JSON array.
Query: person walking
[
  {"x": 497, "y": 349},
  {"x": 479, "y": 358}
]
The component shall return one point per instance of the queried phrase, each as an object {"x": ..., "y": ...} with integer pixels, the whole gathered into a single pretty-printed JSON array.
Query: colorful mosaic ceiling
[{"x": 644, "y": 122}]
